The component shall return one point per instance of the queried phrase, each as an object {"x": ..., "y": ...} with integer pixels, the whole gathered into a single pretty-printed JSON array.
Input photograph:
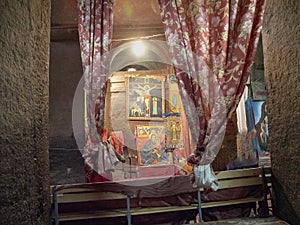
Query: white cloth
[
  {"x": 205, "y": 177},
  {"x": 100, "y": 157}
]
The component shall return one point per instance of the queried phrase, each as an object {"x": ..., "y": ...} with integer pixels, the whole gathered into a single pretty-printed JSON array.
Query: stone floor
[{"x": 248, "y": 221}]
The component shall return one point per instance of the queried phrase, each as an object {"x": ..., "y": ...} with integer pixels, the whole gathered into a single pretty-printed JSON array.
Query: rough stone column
[
  {"x": 281, "y": 35},
  {"x": 24, "y": 61}
]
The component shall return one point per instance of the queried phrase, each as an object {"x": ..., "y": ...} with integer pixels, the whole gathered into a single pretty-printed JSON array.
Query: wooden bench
[{"x": 125, "y": 201}]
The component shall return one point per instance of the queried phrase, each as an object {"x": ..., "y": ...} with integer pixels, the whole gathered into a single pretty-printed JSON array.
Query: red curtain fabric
[
  {"x": 95, "y": 24},
  {"x": 212, "y": 45}
]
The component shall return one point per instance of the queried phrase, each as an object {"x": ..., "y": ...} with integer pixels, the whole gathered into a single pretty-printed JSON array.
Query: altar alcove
[{"x": 29, "y": 22}]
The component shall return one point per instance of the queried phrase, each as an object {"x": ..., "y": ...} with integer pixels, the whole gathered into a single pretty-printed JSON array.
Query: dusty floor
[{"x": 248, "y": 221}]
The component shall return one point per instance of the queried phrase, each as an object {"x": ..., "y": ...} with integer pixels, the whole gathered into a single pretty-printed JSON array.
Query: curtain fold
[
  {"x": 95, "y": 24},
  {"x": 212, "y": 45}
]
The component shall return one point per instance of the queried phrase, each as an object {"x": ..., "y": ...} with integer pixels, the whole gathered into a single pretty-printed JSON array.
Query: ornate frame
[
  {"x": 145, "y": 95},
  {"x": 144, "y": 135}
]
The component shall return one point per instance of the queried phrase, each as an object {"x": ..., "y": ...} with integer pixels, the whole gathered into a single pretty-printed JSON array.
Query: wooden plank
[
  {"x": 123, "y": 212},
  {"x": 69, "y": 191},
  {"x": 148, "y": 187},
  {"x": 86, "y": 194},
  {"x": 163, "y": 209},
  {"x": 152, "y": 210},
  {"x": 74, "y": 190},
  {"x": 120, "y": 76},
  {"x": 117, "y": 87},
  {"x": 86, "y": 197},
  {"x": 230, "y": 202},
  {"x": 117, "y": 78},
  {"x": 163, "y": 187},
  {"x": 230, "y": 174},
  {"x": 242, "y": 182},
  {"x": 91, "y": 215}
]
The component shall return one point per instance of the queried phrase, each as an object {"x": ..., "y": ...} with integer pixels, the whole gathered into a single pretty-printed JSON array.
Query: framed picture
[
  {"x": 174, "y": 137},
  {"x": 151, "y": 145},
  {"x": 145, "y": 96}
]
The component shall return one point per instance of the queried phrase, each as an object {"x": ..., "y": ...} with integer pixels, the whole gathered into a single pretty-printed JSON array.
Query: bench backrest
[
  {"x": 239, "y": 178},
  {"x": 116, "y": 195}
]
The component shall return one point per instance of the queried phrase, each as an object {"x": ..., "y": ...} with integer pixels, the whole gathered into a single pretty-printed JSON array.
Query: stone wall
[
  {"x": 24, "y": 65},
  {"x": 281, "y": 34},
  {"x": 66, "y": 162},
  {"x": 65, "y": 74}
]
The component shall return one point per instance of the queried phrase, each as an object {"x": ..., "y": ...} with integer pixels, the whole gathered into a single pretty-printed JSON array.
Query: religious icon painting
[
  {"x": 145, "y": 96},
  {"x": 174, "y": 136},
  {"x": 150, "y": 141},
  {"x": 174, "y": 97}
]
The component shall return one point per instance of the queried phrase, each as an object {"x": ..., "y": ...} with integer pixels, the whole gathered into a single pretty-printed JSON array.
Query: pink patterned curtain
[
  {"x": 212, "y": 44},
  {"x": 95, "y": 24}
]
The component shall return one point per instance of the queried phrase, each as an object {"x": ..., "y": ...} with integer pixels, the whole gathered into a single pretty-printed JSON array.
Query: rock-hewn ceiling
[{"x": 132, "y": 19}]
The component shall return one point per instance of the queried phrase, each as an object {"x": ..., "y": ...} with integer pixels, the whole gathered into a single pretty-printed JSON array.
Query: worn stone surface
[
  {"x": 66, "y": 162},
  {"x": 24, "y": 169},
  {"x": 281, "y": 34},
  {"x": 66, "y": 167},
  {"x": 65, "y": 74},
  {"x": 228, "y": 151}
]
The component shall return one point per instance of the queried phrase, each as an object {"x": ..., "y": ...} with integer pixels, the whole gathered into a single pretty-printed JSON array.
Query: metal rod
[
  {"x": 128, "y": 211},
  {"x": 199, "y": 206},
  {"x": 130, "y": 166},
  {"x": 55, "y": 201}
]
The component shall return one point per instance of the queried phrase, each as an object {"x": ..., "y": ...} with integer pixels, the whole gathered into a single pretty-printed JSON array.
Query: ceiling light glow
[
  {"x": 139, "y": 49},
  {"x": 131, "y": 69}
]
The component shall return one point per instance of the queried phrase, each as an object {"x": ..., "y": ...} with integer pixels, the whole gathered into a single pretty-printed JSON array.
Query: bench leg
[
  {"x": 199, "y": 206},
  {"x": 128, "y": 211},
  {"x": 55, "y": 201},
  {"x": 263, "y": 209}
]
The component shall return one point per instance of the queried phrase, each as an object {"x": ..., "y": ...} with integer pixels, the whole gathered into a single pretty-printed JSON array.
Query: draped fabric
[
  {"x": 117, "y": 140},
  {"x": 95, "y": 34},
  {"x": 95, "y": 24},
  {"x": 241, "y": 113},
  {"x": 212, "y": 45}
]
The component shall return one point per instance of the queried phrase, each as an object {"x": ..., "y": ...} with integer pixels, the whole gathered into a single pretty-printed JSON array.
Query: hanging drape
[
  {"x": 212, "y": 45},
  {"x": 95, "y": 24}
]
